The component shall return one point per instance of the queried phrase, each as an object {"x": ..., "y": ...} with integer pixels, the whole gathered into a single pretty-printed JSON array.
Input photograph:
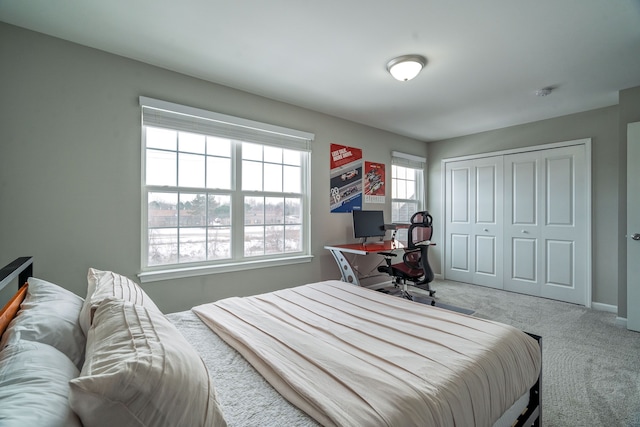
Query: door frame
[
  {"x": 586, "y": 142},
  {"x": 632, "y": 322}
]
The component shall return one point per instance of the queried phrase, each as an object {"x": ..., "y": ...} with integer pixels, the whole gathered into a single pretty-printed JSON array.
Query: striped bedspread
[{"x": 350, "y": 356}]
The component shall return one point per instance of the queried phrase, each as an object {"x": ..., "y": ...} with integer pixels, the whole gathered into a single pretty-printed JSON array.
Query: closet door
[
  {"x": 523, "y": 183},
  {"x": 473, "y": 216},
  {"x": 546, "y": 223}
]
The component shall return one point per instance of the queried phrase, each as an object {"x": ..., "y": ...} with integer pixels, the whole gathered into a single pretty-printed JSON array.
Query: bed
[{"x": 306, "y": 356}]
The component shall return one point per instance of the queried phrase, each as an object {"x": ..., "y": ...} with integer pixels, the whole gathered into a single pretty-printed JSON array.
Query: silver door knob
[{"x": 635, "y": 236}]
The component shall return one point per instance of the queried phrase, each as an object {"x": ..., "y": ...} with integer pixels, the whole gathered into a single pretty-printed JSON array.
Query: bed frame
[
  {"x": 533, "y": 413},
  {"x": 22, "y": 268}
]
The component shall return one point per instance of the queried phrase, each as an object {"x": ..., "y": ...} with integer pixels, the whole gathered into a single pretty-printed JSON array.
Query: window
[
  {"x": 407, "y": 188},
  {"x": 220, "y": 193}
]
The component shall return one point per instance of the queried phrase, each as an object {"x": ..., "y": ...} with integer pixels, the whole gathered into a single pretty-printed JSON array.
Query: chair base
[
  {"x": 424, "y": 300},
  {"x": 404, "y": 293},
  {"x": 403, "y": 286},
  {"x": 425, "y": 287}
]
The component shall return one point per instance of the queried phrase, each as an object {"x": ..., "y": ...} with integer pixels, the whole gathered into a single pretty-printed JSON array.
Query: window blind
[
  {"x": 408, "y": 160},
  {"x": 165, "y": 114}
]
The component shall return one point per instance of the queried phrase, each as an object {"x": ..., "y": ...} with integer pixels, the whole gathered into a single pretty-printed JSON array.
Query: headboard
[{"x": 22, "y": 268}]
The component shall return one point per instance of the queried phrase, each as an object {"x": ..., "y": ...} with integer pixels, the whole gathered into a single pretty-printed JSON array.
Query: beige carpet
[{"x": 591, "y": 367}]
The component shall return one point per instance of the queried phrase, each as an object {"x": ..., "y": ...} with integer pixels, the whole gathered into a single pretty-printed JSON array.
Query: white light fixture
[{"x": 406, "y": 67}]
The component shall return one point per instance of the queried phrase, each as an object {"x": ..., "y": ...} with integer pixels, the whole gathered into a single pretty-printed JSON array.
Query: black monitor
[{"x": 368, "y": 224}]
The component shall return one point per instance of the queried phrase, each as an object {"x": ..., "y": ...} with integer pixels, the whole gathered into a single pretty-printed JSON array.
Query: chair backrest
[{"x": 420, "y": 230}]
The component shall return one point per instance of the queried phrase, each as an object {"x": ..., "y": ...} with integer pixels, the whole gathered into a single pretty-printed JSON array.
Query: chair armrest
[{"x": 387, "y": 254}]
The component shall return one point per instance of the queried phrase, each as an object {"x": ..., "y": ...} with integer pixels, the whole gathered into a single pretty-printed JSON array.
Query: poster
[
  {"x": 345, "y": 178},
  {"x": 374, "y": 182}
]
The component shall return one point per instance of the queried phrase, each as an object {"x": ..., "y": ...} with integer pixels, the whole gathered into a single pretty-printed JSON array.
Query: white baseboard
[
  {"x": 604, "y": 307},
  {"x": 620, "y": 321}
]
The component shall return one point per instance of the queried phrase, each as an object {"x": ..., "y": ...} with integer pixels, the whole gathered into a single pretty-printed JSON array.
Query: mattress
[{"x": 246, "y": 397}]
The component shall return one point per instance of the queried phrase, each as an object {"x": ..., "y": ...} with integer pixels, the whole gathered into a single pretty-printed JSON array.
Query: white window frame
[
  {"x": 158, "y": 113},
  {"x": 418, "y": 164}
]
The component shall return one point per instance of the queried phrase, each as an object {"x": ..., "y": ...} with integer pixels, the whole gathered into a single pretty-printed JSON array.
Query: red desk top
[{"x": 368, "y": 248}]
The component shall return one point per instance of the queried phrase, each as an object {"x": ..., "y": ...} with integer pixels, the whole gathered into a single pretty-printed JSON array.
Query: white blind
[
  {"x": 165, "y": 114},
  {"x": 407, "y": 160}
]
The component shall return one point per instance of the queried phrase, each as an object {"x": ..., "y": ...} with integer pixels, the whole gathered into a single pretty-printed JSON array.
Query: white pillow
[
  {"x": 107, "y": 284},
  {"x": 140, "y": 371},
  {"x": 34, "y": 386},
  {"x": 49, "y": 314}
]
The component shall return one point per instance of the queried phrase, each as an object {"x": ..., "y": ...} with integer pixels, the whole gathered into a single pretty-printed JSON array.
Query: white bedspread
[{"x": 351, "y": 356}]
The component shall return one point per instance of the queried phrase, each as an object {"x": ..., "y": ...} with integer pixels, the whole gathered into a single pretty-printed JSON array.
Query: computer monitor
[{"x": 368, "y": 224}]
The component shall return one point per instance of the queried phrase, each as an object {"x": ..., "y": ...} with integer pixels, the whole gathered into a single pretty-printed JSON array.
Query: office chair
[{"x": 414, "y": 267}]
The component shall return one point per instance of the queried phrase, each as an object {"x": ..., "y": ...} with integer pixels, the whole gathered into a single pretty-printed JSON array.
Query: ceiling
[{"x": 486, "y": 59}]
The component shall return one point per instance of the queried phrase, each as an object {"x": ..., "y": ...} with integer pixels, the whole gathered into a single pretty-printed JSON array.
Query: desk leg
[{"x": 346, "y": 270}]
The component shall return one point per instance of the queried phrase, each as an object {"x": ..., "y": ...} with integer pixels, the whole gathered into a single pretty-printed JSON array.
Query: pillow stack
[
  {"x": 139, "y": 370},
  {"x": 34, "y": 386},
  {"x": 41, "y": 350},
  {"x": 102, "y": 285},
  {"x": 136, "y": 369}
]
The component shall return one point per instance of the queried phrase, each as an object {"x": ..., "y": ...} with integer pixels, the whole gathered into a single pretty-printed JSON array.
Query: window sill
[{"x": 193, "y": 271}]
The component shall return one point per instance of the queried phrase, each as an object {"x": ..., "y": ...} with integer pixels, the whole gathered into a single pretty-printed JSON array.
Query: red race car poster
[
  {"x": 345, "y": 178},
  {"x": 374, "y": 182}
]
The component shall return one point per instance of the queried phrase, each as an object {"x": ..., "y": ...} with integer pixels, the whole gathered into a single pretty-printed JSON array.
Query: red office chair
[{"x": 414, "y": 267}]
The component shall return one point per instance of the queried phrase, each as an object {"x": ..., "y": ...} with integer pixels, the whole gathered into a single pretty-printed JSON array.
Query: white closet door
[
  {"x": 474, "y": 221},
  {"x": 546, "y": 224},
  {"x": 521, "y": 223}
]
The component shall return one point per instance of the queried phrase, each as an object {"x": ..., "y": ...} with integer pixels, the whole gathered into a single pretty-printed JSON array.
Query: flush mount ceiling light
[{"x": 406, "y": 67}]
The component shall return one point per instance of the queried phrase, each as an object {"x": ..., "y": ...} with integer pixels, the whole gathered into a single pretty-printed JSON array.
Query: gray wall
[
  {"x": 70, "y": 180},
  {"x": 608, "y": 194},
  {"x": 70, "y": 168}
]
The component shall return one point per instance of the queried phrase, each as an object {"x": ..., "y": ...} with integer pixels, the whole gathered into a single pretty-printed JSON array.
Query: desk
[{"x": 346, "y": 269}]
